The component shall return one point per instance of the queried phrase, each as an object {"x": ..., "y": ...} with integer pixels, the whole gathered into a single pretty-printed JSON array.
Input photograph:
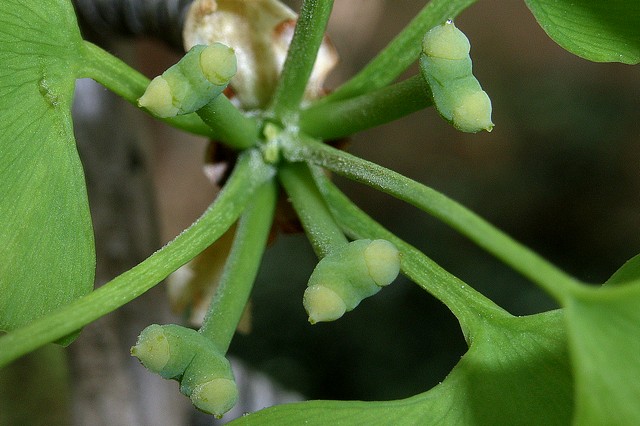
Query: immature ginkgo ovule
[
  {"x": 446, "y": 66},
  {"x": 158, "y": 98},
  {"x": 446, "y": 42},
  {"x": 215, "y": 396},
  {"x": 201, "y": 75},
  {"x": 347, "y": 275},
  {"x": 323, "y": 304},
  {"x": 183, "y": 354},
  {"x": 218, "y": 64},
  {"x": 383, "y": 261},
  {"x": 152, "y": 349}
]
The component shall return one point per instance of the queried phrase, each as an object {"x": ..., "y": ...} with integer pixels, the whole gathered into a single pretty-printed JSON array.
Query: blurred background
[{"x": 560, "y": 172}]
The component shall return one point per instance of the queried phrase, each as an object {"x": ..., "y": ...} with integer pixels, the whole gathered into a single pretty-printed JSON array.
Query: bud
[
  {"x": 216, "y": 396},
  {"x": 347, "y": 275},
  {"x": 201, "y": 75},
  {"x": 446, "y": 67},
  {"x": 260, "y": 32},
  {"x": 183, "y": 354}
]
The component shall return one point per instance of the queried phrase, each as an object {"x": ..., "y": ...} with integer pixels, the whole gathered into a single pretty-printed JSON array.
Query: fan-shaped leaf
[
  {"x": 46, "y": 241},
  {"x": 601, "y": 31},
  {"x": 515, "y": 372},
  {"x": 604, "y": 334}
]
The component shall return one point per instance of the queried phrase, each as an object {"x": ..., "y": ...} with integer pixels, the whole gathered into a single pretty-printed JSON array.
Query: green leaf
[
  {"x": 604, "y": 336},
  {"x": 627, "y": 274},
  {"x": 515, "y": 372},
  {"x": 248, "y": 173},
  {"x": 600, "y": 31},
  {"x": 46, "y": 240}
]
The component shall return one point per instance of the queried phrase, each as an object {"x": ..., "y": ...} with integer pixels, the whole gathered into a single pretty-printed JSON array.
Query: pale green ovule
[
  {"x": 158, "y": 98},
  {"x": 446, "y": 67},
  {"x": 473, "y": 114},
  {"x": 323, "y": 304},
  {"x": 216, "y": 396},
  {"x": 152, "y": 349},
  {"x": 446, "y": 42},
  {"x": 383, "y": 261},
  {"x": 218, "y": 63}
]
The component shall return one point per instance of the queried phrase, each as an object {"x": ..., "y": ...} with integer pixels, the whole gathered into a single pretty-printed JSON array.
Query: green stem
[
  {"x": 551, "y": 279},
  {"x": 249, "y": 173},
  {"x": 130, "y": 85},
  {"x": 469, "y": 306},
  {"x": 318, "y": 222},
  {"x": 303, "y": 51},
  {"x": 334, "y": 120},
  {"x": 401, "y": 52},
  {"x": 241, "y": 268},
  {"x": 229, "y": 124}
]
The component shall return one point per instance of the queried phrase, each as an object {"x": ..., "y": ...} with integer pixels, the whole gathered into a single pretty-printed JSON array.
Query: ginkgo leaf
[
  {"x": 600, "y": 31},
  {"x": 604, "y": 336},
  {"x": 46, "y": 240},
  {"x": 515, "y": 372}
]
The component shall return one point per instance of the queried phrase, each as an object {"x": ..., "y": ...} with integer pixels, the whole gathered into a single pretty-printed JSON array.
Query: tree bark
[{"x": 110, "y": 387}]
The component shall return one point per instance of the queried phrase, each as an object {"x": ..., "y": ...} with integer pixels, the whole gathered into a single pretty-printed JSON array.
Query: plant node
[{"x": 271, "y": 146}]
